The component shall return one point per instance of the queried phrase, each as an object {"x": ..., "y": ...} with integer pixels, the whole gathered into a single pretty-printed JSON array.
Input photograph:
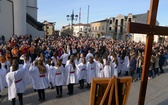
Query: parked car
[{"x": 105, "y": 37}]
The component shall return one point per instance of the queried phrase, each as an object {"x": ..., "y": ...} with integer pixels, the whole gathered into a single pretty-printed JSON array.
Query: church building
[{"x": 19, "y": 17}]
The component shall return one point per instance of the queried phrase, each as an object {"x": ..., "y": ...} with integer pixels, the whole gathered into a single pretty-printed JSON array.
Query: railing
[{"x": 33, "y": 22}]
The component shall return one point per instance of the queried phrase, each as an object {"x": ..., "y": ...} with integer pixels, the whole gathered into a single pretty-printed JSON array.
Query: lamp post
[
  {"x": 72, "y": 17},
  {"x": 54, "y": 28}
]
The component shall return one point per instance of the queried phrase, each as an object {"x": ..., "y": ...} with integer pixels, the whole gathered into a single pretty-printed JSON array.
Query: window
[
  {"x": 122, "y": 21},
  {"x": 109, "y": 28},
  {"x": 110, "y": 21},
  {"x": 121, "y": 29},
  {"x": 80, "y": 29},
  {"x": 116, "y": 22},
  {"x": 92, "y": 28},
  {"x": 96, "y": 28},
  {"x": 129, "y": 20},
  {"x": 99, "y": 27},
  {"x": 115, "y": 29},
  {"x": 102, "y": 27}
]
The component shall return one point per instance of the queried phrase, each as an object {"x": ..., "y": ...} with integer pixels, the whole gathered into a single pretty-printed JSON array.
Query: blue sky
[{"x": 57, "y": 10}]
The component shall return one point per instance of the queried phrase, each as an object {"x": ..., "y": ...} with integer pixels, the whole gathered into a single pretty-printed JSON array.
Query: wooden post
[{"x": 148, "y": 51}]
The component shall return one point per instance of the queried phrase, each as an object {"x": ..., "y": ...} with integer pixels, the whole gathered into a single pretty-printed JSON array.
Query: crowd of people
[{"x": 57, "y": 61}]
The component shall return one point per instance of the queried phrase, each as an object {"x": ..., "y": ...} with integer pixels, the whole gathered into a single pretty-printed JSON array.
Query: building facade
[
  {"x": 81, "y": 29},
  {"x": 49, "y": 28},
  {"x": 19, "y": 17},
  {"x": 99, "y": 28},
  {"x": 65, "y": 30},
  {"x": 118, "y": 27}
]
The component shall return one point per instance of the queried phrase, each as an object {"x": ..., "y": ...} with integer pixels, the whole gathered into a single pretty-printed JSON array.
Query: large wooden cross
[{"x": 150, "y": 29}]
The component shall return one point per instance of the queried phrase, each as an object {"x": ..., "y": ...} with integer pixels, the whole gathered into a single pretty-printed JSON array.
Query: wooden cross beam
[
  {"x": 147, "y": 29},
  {"x": 150, "y": 30}
]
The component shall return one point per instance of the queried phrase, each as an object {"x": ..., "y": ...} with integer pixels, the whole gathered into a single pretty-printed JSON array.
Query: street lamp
[{"x": 72, "y": 17}]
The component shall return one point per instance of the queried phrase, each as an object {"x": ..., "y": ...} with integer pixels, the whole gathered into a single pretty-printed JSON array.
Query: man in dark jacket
[{"x": 161, "y": 61}]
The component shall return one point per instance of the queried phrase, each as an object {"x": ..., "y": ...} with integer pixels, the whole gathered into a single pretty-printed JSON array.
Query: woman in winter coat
[
  {"x": 132, "y": 66},
  {"x": 156, "y": 65}
]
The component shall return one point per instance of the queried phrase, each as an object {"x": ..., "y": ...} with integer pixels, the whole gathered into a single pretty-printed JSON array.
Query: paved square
[{"x": 157, "y": 94}]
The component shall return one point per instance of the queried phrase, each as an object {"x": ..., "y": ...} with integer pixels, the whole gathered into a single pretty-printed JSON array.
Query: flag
[{"x": 80, "y": 14}]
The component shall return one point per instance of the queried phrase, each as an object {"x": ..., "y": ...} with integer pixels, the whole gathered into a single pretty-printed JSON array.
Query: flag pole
[
  {"x": 79, "y": 19},
  {"x": 87, "y": 20}
]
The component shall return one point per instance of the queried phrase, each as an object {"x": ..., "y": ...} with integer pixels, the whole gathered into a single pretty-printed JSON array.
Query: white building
[
  {"x": 81, "y": 29},
  {"x": 19, "y": 17}
]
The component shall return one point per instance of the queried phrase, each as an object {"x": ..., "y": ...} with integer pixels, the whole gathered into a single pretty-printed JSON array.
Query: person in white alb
[
  {"x": 71, "y": 76},
  {"x": 88, "y": 56},
  {"x": 27, "y": 60},
  {"x": 15, "y": 82},
  {"x": 91, "y": 71},
  {"x": 39, "y": 79},
  {"x": 3, "y": 83},
  {"x": 5, "y": 63},
  {"x": 114, "y": 66},
  {"x": 120, "y": 64},
  {"x": 55, "y": 57},
  {"x": 126, "y": 64},
  {"x": 81, "y": 57},
  {"x": 99, "y": 69},
  {"x": 49, "y": 67},
  {"x": 64, "y": 57},
  {"x": 42, "y": 73},
  {"x": 56, "y": 73},
  {"x": 33, "y": 75},
  {"x": 81, "y": 72},
  {"x": 107, "y": 69}
]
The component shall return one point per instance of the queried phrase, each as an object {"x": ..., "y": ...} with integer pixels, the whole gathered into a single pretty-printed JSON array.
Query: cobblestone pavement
[{"x": 157, "y": 94}]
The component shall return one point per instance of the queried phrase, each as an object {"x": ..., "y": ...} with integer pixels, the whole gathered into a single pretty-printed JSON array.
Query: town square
[{"x": 83, "y": 52}]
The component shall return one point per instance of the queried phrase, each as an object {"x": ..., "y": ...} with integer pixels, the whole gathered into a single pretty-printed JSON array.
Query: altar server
[
  {"x": 88, "y": 56},
  {"x": 39, "y": 79},
  {"x": 126, "y": 64},
  {"x": 99, "y": 68},
  {"x": 5, "y": 63},
  {"x": 82, "y": 72},
  {"x": 91, "y": 71},
  {"x": 107, "y": 69},
  {"x": 64, "y": 57},
  {"x": 3, "y": 83},
  {"x": 56, "y": 73},
  {"x": 71, "y": 77},
  {"x": 114, "y": 66},
  {"x": 15, "y": 82},
  {"x": 49, "y": 73},
  {"x": 42, "y": 70},
  {"x": 27, "y": 60}
]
